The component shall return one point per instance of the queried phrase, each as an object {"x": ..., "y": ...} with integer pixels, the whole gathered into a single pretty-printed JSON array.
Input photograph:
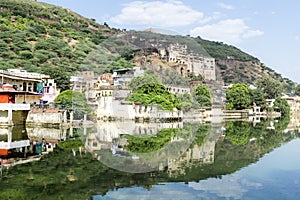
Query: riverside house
[{"x": 19, "y": 90}]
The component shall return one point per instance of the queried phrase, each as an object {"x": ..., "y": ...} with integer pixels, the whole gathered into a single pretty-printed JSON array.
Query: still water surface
[
  {"x": 275, "y": 176},
  {"x": 234, "y": 160}
]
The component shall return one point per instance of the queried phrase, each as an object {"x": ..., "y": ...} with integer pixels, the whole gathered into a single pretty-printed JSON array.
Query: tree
[
  {"x": 237, "y": 97},
  {"x": 270, "y": 87},
  {"x": 297, "y": 90},
  {"x": 76, "y": 101},
  {"x": 258, "y": 98},
  {"x": 282, "y": 106},
  {"x": 186, "y": 101},
  {"x": 172, "y": 77},
  {"x": 138, "y": 81},
  {"x": 202, "y": 96},
  {"x": 61, "y": 77},
  {"x": 154, "y": 93},
  {"x": 121, "y": 63}
]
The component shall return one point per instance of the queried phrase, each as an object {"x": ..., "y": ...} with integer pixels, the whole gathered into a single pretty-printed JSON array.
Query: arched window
[
  {"x": 35, "y": 87},
  {"x": 24, "y": 87},
  {"x": 29, "y": 87}
]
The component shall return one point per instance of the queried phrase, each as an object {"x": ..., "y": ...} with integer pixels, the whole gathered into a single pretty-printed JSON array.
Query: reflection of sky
[
  {"x": 275, "y": 176},
  {"x": 284, "y": 158},
  {"x": 231, "y": 186}
]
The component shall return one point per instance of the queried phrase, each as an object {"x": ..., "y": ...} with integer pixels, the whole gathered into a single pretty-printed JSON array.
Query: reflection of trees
[
  {"x": 200, "y": 135},
  {"x": 49, "y": 178},
  {"x": 152, "y": 153},
  {"x": 245, "y": 151},
  {"x": 282, "y": 124},
  {"x": 238, "y": 132},
  {"x": 149, "y": 144}
]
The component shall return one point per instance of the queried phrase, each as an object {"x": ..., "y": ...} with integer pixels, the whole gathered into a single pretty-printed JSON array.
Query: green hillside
[
  {"x": 219, "y": 50},
  {"x": 44, "y": 38}
]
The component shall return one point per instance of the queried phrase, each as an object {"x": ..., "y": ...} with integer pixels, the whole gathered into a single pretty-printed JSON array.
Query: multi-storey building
[
  {"x": 191, "y": 63},
  {"x": 19, "y": 89}
]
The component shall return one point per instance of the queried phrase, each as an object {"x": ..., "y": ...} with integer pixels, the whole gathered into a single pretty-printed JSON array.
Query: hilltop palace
[{"x": 189, "y": 62}]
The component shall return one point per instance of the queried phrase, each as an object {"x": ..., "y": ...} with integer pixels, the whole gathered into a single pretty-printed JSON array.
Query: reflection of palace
[
  {"x": 203, "y": 154},
  {"x": 108, "y": 131},
  {"x": 108, "y": 136}
]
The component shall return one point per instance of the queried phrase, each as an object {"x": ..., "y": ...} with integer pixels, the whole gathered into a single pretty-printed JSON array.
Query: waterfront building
[{"x": 20, "y": 89}]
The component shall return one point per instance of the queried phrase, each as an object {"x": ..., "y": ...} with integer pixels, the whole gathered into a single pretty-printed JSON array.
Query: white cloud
[
  {"x": 226, "y": 6},
  {"x": 167, "y": 14},
  {"x": 252, "y": 33},
  {"x": 231, "y": 31},
  {"x": 214, "y": 16},
  {"x": 230, "y": 187}
]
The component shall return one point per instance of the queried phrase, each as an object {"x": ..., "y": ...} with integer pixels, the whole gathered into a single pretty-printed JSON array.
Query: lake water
[{"x": 230, "y": 160}]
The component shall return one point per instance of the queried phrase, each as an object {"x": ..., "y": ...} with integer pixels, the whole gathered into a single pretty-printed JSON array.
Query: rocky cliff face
[{"x": 233, "y": 71}]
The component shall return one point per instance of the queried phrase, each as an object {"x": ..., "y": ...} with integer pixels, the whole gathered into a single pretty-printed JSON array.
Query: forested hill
[{"x": 45, "y": 38}]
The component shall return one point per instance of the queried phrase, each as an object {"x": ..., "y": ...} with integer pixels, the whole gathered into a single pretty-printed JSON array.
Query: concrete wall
[
  {"x": 40, "y": 118},
  {"x": 108, "y": 107}
]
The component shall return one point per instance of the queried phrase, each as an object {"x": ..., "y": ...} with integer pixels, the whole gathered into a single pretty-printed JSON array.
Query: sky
[{"x": 269, "y": 29}]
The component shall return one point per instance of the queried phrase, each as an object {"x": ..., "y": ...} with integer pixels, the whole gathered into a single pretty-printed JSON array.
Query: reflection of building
[
  {"x": 203, "y": 154},
  {"x": 294, "y": 103},
  {"x": 107, "y": 132},
  {"x": 17, "y": 146},
  {"x": 48, "y": 134},
  {"x": 11, "y": 140}
]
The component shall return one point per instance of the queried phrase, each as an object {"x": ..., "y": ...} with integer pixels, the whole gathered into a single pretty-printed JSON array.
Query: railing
[
  {"x": 17, "y": 106},
  {"x": 44, "y": 106},
  {"x": 15, "y": 144}
]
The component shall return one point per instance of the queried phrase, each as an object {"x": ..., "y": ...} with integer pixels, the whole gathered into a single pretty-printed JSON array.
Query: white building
[{"x": 123, "y": 76}]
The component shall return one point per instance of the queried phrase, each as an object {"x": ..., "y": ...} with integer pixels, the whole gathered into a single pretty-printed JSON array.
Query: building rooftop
[{"x": 22, "y": 74}]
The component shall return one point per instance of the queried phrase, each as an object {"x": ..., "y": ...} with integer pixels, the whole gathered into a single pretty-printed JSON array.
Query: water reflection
[
  {"x": 13, "y": 140},
  {"x": 148, "y": 148},
  {"x": 213, "y": 159},
  {"x": 20, "y": 144}
]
